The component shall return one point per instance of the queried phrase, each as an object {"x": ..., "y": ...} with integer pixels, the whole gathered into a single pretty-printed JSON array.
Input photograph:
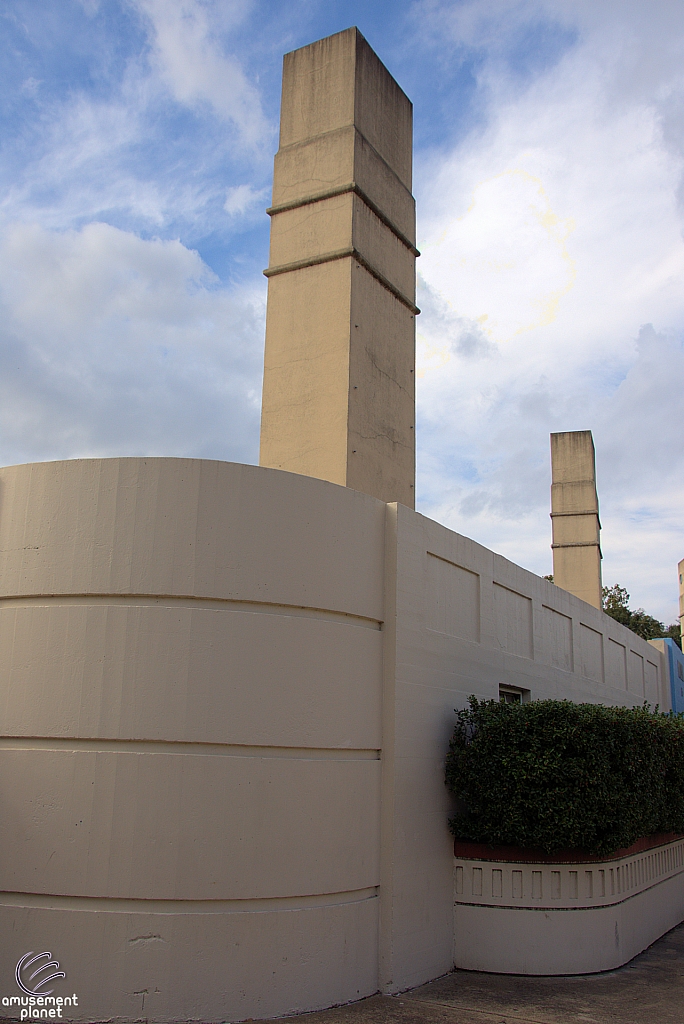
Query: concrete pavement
[{"x": 649, "y": 990}]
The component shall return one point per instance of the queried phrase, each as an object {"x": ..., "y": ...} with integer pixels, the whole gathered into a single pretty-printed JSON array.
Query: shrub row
[{"x": 556, "y": 775}]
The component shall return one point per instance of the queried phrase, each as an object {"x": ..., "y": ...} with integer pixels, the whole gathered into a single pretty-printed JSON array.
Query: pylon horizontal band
[
  {"x": 585, "y": 512},
  {"x": 581, "y": 544},
  {"x": 340, "y": 254},
  {"x": 319, "y": 197}
]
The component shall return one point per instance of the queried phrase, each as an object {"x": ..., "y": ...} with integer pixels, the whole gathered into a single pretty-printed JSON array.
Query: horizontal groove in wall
[
  {"x": 114, "y": 905},
  {"x": 132, "y": 746},
  {"x": 189, "y": 601}
]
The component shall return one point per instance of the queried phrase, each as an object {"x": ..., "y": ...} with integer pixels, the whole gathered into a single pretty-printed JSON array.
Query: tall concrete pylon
[
  {"x": 339, "y": 370},
  {"x": 575, "y": 516}
]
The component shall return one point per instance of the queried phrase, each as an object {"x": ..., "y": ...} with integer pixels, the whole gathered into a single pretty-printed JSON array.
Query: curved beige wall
[{"x": 190, "y": 713}]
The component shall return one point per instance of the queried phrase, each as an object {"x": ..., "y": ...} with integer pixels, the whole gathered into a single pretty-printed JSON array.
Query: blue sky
[
  {"x": 189, "y": 148},
  {"x": 136, "y": 147}
]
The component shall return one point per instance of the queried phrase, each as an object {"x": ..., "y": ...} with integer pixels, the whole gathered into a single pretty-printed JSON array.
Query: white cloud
[
  {"x": 111, "y": 345},
  {"x": 30, "y": 86},
  {"x": 242, "y": 198},
  {"x": 553, "y": 233},
  {"x": 487, "y": 26},
  {"x": 191, "y": 61},
  {"x": 123, "y": 152},
  {"x": 79, "y": 167},
  {"x": 504, "y": 262}
]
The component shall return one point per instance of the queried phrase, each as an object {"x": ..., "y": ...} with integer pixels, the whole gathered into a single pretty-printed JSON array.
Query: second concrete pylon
[
  {"x": 339, "y": 372},
  {"x": 575, "y": 516}
]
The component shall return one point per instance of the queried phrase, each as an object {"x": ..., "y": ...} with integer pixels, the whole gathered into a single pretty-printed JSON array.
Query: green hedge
[{"x": 556, "y": 775}]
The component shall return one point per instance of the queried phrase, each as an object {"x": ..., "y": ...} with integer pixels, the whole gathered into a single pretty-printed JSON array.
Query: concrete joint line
[
  {"x": 381, "y": 279},
  {"x": 587, "y": 512},
  {"x": 497, "y": 1015},
  {"x": 319, "y": 197},
  {"x": 118, "y": 905},
  {"x": 340, "y": 254},
  {"x": 579, "y": 544},
  {"x": 311, "y": 261},
  {"x": 191, "y": 602},
  {"x": 101, "y": 745}
]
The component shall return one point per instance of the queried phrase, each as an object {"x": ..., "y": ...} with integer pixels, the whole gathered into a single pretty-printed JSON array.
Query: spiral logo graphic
[{"x": 24, "y": 966}]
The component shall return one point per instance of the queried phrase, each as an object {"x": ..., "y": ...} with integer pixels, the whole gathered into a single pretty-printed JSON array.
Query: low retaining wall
[{"x": 569, "y": 914}]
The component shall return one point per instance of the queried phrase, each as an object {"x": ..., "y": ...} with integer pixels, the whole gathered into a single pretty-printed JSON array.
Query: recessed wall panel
[
  {"x": 651, "y": 682},
  {"x": 591, "y": 645},
  {"x": 616, "y": 664},
  {"x": 636, "y": 673},
  {"x": 452, "y": 602},
  {"x": 513, "y": 621},
  {"x": 557, "y": 634}
]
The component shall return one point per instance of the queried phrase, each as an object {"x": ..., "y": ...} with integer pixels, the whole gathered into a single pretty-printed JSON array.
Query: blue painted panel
[{"x": 676, "y": 666}]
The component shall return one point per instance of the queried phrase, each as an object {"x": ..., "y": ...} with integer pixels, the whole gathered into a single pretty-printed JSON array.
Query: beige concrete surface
[
  {"x": 190, "y": 733},
  {"x": 575, "y": 516},
  {"x": 461, "y": 620},
  {"x": 338, "y": 396}
]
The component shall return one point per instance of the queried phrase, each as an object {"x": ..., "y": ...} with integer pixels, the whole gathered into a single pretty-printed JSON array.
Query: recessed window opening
[{"x": 513, "y": 694}]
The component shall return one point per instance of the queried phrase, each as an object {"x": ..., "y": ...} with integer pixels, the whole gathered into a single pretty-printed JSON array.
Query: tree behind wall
[{"x": 616, "y": 604}]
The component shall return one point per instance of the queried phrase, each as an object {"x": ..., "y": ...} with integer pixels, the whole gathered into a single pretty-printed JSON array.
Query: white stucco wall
[
  {"x": 226, "y": 693},
  {"x": 462, "y": 620}
]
